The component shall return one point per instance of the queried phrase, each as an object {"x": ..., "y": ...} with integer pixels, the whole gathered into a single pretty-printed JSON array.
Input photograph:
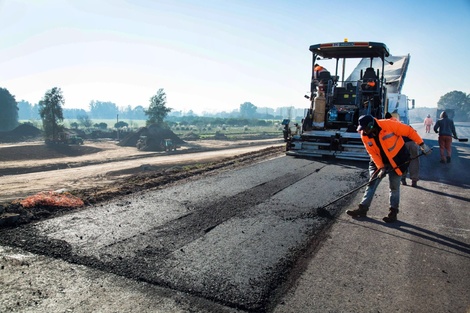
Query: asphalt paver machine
[{"x": 330, "y": 123}]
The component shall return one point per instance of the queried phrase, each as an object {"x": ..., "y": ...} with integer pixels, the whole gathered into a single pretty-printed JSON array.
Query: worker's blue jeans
[{"x": 394, "y": 184}]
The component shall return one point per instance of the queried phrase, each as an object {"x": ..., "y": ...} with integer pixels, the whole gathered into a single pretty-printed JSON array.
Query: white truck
[{"x": 373, "y": 87}]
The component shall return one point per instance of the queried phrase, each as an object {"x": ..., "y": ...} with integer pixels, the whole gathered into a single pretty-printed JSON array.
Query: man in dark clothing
[{"x": 446, "y": 129}]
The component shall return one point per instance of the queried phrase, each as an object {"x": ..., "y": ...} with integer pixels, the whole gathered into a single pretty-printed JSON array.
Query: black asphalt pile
[
  {"x": 154, "y": 133},
  {"x": 20, "y": 133}
]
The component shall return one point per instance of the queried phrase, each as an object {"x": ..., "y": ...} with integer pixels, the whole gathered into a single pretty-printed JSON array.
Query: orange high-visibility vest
[
  {"x": 390, "y": 137},
  {"x": 317, "y": 70}
]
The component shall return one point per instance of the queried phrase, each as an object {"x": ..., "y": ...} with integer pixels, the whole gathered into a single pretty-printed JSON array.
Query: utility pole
[{"x": 117, "y": 128}]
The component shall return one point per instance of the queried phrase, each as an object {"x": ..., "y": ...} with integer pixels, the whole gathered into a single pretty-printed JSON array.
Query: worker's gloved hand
[
  {"x": 426, "y": 150},
  {"x": 456, "y": 137},
  {"x": 382, "y": 173}
]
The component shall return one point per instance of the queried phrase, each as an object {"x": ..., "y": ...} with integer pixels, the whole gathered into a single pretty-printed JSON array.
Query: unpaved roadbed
[{"x": 115, "y": 171}]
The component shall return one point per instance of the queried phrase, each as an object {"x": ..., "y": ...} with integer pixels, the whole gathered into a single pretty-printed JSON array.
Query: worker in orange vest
[
  {"x": 388, "y": 155},
  {"x": 317, "y": 69},
  {"x": 371, "y": 84}
]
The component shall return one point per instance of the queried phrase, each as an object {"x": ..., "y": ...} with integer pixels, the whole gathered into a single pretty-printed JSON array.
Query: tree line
[
  {"x": 97, "y": 110},
  {"x": 50, "y": 109},
  {"x": 109, "y": 110},
  {"x": 51, "y": 112}
]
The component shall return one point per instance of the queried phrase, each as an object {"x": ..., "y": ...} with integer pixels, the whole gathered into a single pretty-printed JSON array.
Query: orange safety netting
[{"x": 51, "y": 198}]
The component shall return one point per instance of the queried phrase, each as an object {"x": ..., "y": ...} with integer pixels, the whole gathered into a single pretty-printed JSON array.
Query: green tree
[
  {"x": 157, "y": 110},
  {"x": 9, "y": 111},
  {"x": 50, "y": 110},
  {"x": 120, "y": 124},
  {"x": 101, "y": 125},
  {"x": 457, "y": 101},
  {"x": 85, "y": 120},
  {"x": 248, "y": 110}
]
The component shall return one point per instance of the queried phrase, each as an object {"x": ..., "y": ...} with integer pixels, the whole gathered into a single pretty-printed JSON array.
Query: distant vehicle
[
  {"x": 336, "y": 101},
  {"x": 168, "y": 145},
  {"x": 75, "y": 140},
  {"x": 141, "y": 143},
  {"x": 64, "y": 138},
  {"x": 149, "y": 143}
]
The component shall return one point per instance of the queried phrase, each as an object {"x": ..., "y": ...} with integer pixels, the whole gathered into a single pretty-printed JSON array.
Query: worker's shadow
[
  {"x": 451, "y": 173},
  {"x": 445, "y": 194},
  {"x": 424, "y": 234}
]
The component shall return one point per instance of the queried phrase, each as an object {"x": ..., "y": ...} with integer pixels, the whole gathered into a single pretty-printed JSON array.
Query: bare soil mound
[
  {"x": 154, "y": 133},
  {"x": 41, "y": 152},
  {"x": 21, "y": 133}
]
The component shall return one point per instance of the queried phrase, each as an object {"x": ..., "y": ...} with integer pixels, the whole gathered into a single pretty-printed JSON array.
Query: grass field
[{"x": 231, "y": 132}]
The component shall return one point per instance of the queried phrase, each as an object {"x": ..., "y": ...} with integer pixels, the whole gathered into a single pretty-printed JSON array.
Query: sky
[{"x": 211, "y": 55}]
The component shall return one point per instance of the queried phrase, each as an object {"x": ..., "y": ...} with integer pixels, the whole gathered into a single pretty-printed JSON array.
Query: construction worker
[
  {"x": 371, "y": 84},
  {"x": 446, "y": 129},
  {"x": 286, "y": 132},
  {"x": 317, "y": 80},
  {"x": 428, "y": 123},
  {"x": 384, "y": 143},
  {"x": 317, "y": 69}
]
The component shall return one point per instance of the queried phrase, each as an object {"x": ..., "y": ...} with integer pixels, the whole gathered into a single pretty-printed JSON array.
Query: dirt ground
[{"x": 101, "y": 170}]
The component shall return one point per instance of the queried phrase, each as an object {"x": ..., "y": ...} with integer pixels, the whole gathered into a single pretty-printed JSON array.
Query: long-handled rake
[{"x": 372, "y": 179}]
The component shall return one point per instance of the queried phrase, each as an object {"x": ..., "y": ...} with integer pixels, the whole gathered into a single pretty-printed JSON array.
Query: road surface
[{"x": 257, "y": 239}]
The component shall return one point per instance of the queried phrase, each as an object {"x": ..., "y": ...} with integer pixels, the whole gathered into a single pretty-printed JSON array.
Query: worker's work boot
[
  {"x": 392, "y": 216},
  {"x": 403, "y": 181},
  {"x": 359, "y": 212},
  {"x": 414, "y": 183},
  {"x": 448, "y": 159}
]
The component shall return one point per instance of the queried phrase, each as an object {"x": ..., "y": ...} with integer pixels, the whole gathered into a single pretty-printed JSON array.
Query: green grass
[
  {"x": 231, "y": 132},
  {"x": 109, "y": 122}
]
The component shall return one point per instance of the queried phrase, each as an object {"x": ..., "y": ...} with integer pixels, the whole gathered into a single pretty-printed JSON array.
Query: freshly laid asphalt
[{"x": 419, "y": 264}]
